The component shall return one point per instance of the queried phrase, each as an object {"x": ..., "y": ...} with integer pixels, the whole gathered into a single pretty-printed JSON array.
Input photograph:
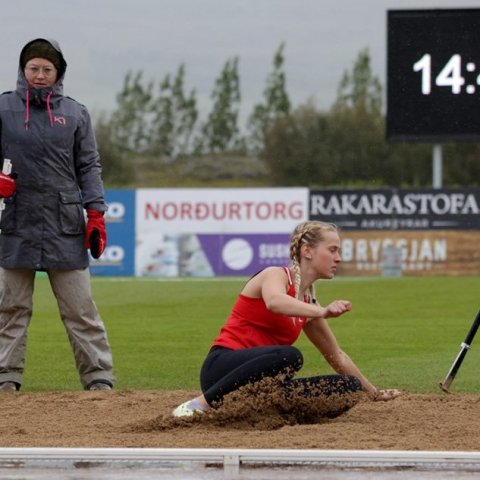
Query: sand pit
[{"x": 142, "y": 419}]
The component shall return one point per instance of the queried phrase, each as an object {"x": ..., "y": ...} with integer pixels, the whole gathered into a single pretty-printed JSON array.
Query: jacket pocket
[
  {"x": 72, "y": 220},
  {"x": 8, "y": 222}
]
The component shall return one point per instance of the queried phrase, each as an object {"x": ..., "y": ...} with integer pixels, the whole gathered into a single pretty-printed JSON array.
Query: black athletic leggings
[{"x": 225, "y": 370}]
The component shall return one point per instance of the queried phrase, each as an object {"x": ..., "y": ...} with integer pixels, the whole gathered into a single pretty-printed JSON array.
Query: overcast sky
[{"x": 103, "y": 39}]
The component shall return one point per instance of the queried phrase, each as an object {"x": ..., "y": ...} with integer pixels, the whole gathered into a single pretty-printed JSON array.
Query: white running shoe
[{"x": 186, "y": 410}]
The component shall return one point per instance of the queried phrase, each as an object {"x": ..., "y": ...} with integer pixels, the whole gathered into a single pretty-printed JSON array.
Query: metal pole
[{"x": 437, "y": 166}]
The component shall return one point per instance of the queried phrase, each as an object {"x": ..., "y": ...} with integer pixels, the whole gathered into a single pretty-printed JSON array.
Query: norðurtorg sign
[{"x": 398, "y": 209}]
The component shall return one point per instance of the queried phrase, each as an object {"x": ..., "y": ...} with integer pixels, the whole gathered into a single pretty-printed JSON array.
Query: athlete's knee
[{"x": 292, "y": 357}]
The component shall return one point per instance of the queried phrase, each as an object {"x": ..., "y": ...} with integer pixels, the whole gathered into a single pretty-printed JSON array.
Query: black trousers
[{"x": 225, "y": 370}]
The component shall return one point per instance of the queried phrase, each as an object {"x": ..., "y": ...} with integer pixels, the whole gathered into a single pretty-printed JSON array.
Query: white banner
[
  {"x": 226, "y": 210},
  {"x": 168, "y": 222}
]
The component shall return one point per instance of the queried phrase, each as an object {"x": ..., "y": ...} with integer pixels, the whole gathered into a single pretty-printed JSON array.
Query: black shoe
[{"x": 99, "y": 385}]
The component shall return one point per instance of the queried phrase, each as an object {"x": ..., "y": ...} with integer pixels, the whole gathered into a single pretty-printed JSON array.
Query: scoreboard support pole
[{"x": 437, "y": 166}]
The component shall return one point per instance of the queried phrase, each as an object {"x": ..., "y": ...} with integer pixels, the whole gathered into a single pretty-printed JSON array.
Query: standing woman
[
  {"x": 273, "y": 308},
  {"x": 50, "y": 141}
]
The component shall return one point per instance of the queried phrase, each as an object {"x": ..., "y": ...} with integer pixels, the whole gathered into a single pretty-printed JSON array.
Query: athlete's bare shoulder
[
  {"x": 253, "y": 287},
  {"x": 274, "y": 270}
]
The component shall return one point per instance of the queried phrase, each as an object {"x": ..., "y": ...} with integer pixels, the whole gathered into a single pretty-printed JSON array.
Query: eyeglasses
[{"x": 47, "y": 71}]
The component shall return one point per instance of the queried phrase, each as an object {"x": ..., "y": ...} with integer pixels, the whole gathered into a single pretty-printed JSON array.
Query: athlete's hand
[
  {"x": 337, "y": 308},
  {"x": 386, "y": 395}
]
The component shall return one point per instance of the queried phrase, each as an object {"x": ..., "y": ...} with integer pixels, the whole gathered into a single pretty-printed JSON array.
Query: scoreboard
[{"x": 433, "y": 75}]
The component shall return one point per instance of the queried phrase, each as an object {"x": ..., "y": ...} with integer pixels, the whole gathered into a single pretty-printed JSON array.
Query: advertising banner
[
  {"x": 398, "y": 209},
  {"x": 244, "y": 254},
  {"x": 119, "y": 255},
  {"x": 425, "y": 231},
  {"x": 422, "y": 252},
  {"x": 207, "y": 232}
]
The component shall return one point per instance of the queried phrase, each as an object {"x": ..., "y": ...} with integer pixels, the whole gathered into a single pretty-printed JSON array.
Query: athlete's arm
[{"x": 320, "y": 334}]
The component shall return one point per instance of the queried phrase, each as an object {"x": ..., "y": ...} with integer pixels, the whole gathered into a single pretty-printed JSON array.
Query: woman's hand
[
  {"x": 386, "y": 395},
  {"x": 336, "y": 308}
]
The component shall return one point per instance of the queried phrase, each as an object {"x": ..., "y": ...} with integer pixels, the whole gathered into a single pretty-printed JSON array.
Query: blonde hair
[{"x": 307, "y": 233}]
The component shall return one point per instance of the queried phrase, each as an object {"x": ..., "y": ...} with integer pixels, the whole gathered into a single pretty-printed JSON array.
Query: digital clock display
[{"x": 433, "y": 74}]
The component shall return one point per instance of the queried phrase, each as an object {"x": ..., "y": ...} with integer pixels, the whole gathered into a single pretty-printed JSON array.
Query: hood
[
  {"x": 57, "y": 88},
  {"x": 47, "y": 96}
]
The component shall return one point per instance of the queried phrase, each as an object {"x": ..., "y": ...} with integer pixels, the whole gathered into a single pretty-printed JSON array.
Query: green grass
[{"x": 402, "y": 332}]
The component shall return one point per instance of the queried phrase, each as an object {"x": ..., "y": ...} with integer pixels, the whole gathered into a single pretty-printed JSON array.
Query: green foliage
[
  {"x": 154, "y": 123},
  {"x": 315, "y": 148},
  {"x": 357, "y": 146},
  {"x": 461, "y": 164},
  {"x": 117, "y": 170},
  {"x": 402, "y": 332},
  {"x": 221, "y": 132},
  {"x": 296, "y": 152},
  {"x": 360, "y": 90},
  {"x": 275, "y": 106},
  {"x": 174, "y": 117},
  {"x": 129, "y": 121}
]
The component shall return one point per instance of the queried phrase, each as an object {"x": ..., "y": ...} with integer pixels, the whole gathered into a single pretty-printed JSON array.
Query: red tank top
[{"x": 251, "y": 324}]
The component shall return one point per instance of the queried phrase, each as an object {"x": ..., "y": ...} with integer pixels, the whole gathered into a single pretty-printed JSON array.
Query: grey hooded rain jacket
[{"x": 50, "y": 140}]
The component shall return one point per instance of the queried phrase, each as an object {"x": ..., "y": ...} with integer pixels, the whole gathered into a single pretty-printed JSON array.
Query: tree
[
  {"x": 357, "y": 127},
  {"x": 221, "y": 132},
  {"x": 117, "y": 170},
  {"x": 130, "y": 120},
  {"x": 276, "y": 103},
  {"x": 461, "y": 164},
  {"x": 295, "y": 149},
  {"x": 174, "y": 117},
  {"x": 344, "y": 146},
  {"x": 359, "y": 90}
]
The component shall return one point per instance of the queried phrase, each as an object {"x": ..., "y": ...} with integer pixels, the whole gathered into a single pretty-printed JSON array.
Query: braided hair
[{"x": 306, "y": 233}]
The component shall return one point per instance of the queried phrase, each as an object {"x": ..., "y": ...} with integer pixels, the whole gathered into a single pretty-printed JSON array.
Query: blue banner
[{"x": 119, "y": 256}]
